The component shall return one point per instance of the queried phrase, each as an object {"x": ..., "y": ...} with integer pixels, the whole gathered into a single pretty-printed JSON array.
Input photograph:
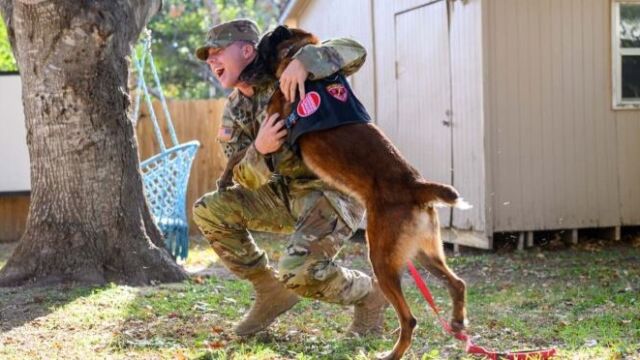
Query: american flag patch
[{"x": 225, "y": 133}]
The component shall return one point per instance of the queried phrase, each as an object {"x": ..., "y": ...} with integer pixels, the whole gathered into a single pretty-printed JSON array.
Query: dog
[{"x": 358, "y": 159}]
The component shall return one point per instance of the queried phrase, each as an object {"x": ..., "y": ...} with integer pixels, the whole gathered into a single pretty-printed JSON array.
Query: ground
[{"x": 584, "y": 300}]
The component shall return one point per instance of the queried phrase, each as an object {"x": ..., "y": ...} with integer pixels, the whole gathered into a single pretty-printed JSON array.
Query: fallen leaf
[
  {"x": 216, "y": 345},
  {"x": 217, "y": 329}
]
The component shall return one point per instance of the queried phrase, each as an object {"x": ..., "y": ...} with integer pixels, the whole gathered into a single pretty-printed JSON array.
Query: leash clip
[{"x": 291, "y": 120}]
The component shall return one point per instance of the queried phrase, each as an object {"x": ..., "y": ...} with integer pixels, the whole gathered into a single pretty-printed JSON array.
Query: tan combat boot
[
  {"x": 368, "y": 313},
  {"x": 272, "y": 299}
]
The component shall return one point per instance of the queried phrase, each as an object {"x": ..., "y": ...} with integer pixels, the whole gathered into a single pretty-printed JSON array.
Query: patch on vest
[
  {"x": 329, "y": 103},
  {"x": 338, "y": 91},
  {"x": 309, "y": 104}
]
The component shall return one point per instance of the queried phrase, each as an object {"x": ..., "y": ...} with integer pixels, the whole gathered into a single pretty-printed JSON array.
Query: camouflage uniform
[{"x": 278, "y": 193}]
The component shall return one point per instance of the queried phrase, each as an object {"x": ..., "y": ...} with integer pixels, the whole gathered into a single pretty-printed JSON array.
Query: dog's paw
[
  {"x": 458, "y": 326},
  {"x": 385, "y": 356}
]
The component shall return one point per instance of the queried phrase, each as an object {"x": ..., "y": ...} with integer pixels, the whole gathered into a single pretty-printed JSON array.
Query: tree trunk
[{"x": 88, "y": 219}]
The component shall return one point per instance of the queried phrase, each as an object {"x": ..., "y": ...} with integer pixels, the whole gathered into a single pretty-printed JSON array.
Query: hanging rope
[{"x": 165, "y": 175}]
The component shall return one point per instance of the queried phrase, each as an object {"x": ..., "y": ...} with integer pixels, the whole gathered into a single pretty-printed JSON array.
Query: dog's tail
[{"x": 436, "y": 194}]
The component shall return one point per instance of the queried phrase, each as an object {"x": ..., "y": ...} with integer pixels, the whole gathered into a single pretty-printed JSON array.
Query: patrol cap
[{"x": 226, "y": 33}]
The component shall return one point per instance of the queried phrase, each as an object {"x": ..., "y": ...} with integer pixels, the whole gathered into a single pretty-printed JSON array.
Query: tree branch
[
  {"x": 5, "y": 8},
  {"x": 143, "y": 11}
]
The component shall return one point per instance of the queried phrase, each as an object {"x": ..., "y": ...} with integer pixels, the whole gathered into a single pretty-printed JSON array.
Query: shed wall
[
  {"x": 467, "y": 97},
  {"x": 628, "y": 125},
  {"x": 553, "y": 151},
  {"x": 334, "y": 18}
]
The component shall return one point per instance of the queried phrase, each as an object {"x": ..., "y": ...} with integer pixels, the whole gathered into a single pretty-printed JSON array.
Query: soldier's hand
[
  {"x": 271, "y": 135},
  {"x": 292, "y": 79}
]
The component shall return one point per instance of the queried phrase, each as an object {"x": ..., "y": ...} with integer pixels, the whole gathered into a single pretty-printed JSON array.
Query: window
[{"x": 626, "y": 54}]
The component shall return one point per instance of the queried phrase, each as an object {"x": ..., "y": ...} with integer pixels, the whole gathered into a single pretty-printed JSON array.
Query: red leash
[{"x": 472, "y": 348}]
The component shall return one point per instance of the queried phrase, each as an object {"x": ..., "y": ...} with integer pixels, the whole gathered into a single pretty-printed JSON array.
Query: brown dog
[{"x": 359, "y": 159}]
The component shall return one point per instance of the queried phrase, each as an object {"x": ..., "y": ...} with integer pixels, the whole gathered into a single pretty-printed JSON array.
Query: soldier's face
[{"x": 227, "y": 63}]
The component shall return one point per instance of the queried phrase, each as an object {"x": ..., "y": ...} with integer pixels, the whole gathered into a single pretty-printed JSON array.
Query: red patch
[
  {"x": 309, "y": 104},
  {"x": 338, "y": 91}
]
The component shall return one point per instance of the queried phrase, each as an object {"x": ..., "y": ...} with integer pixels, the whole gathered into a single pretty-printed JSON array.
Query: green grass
[{"x": 585, "y": 303}]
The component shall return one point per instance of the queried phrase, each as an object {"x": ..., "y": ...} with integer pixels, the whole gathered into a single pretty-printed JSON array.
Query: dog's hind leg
[
  {"x": 390, "y": 247},
  {"x": 455, "y": 285},
  {"x": 433, "y": 259}
]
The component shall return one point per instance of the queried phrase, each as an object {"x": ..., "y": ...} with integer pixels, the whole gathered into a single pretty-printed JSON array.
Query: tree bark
[{"x": 88, "y": 219}]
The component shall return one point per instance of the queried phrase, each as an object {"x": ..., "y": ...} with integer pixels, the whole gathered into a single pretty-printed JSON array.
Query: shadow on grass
[
  {"x": 583, "y": 300},
  {"x": 21, "y": 305},
  {"x": 195, "y": 319}
]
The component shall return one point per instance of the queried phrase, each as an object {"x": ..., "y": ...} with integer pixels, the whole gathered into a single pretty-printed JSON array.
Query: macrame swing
[{"x": 166, "y": 174}]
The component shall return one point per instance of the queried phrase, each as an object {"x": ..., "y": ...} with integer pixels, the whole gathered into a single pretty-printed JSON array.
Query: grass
[{"x": 585, "y": 301}]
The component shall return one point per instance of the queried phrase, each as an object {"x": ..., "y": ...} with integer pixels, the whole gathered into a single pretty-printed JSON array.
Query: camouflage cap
[{"x": 226, "y": 33}]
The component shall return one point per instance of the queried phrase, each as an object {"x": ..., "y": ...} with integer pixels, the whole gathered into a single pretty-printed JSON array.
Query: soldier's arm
[
  {"x": 245, "y": 165},
  {"x": 330, "y": 56},
  {"x": 253, "y": 170}
]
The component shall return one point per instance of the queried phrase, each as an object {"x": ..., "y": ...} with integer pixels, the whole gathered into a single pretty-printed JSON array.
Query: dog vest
[{"x": 328, "y": 103}]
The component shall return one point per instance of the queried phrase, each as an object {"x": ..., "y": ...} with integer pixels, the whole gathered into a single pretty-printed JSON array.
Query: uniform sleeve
[
  {"x": 333, "y": 55},
  {"x": 252, "y": 171}
]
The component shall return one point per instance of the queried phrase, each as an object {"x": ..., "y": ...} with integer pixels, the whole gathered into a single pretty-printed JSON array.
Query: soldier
[{"x": 275, "y": 192}]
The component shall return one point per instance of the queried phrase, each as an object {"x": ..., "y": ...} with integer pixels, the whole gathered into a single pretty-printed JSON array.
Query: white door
[{"x": 424, "y": 133}]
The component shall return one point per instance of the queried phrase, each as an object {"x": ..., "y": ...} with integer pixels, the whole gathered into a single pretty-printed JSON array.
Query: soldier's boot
[
  {"x": 272, "y": 299},
  {"x": 368, "y": 314}
]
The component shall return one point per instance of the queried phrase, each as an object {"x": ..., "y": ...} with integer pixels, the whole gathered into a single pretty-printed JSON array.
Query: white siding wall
[
  {"x": 466, "y": 96},
  {"x": 468, "y": 111},
  {"x": 553, "y": 135},
  {"x": 14, "y": 155},
  {"x": 385, "y": 79},
  {"x": 334, "y": 18},
  {"x": 536, "y": 144},
  {"x": 628, "y": 124}
]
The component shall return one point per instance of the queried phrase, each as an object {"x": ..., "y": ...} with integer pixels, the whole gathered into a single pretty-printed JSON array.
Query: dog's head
[{"x": 274, "y": 52}]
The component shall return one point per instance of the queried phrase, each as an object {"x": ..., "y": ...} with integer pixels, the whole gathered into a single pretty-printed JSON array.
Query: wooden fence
[
  {"x": 13, "y": 215},
  {"x": 193, "y": 120}
]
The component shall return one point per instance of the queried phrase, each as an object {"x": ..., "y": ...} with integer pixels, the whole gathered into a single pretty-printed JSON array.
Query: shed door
[{"x": 424, "y": 92}]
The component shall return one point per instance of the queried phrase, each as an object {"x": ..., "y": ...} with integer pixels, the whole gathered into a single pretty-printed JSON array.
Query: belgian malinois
[{"x": 358, "y": 159}]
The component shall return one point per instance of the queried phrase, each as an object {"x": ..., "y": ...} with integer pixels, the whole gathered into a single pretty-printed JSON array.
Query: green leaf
[{"x": 7, "y": 61}]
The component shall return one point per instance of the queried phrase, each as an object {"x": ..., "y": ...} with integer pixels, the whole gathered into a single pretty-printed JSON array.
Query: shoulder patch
[{"x": 338, "y": 91}]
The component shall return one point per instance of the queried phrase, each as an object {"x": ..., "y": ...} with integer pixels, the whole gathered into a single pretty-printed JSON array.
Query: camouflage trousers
[{"x": 316, "y": 231}]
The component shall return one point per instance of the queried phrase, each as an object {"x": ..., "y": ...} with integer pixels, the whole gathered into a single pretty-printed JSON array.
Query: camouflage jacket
[{"x": 243, "y": 115}]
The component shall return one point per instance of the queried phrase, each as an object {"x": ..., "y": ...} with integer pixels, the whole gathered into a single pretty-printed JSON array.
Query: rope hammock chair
[{"x": 166, "y": 174}]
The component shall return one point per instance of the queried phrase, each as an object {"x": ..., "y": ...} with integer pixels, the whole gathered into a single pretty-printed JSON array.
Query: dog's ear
[
  {"x": 269, "y": 43},
  {"x": 280, "y": 34}
]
